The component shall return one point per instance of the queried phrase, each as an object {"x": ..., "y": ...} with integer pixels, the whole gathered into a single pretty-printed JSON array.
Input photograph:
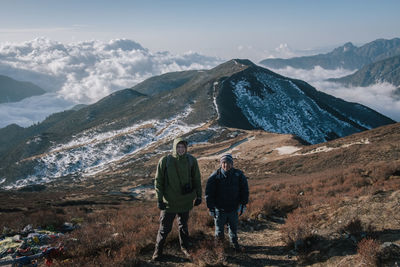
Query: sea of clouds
[{"x": 82, "y": 72}]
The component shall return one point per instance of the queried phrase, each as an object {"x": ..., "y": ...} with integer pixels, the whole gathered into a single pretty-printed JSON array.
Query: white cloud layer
[
  {"x": 32, "y": 110},
  {"x": 378, "y": 96},
  {"x": 284, "y": 50},
  {"x": 84, "y": 72}
]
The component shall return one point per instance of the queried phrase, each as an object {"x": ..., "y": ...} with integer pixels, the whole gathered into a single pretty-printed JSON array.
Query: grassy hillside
[{"x": 331, "y": 204}]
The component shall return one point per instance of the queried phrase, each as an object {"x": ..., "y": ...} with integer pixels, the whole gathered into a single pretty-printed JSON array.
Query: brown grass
[
  {"x": 113, "y": 237},
  {"x": 299, "y": 226},
  {"x": 209, "y": 253},
  {"x": 50, "y": 219},
  {"x": 368, "y": 251},
  {"x": 328, "y": 189},
  {"x": 310, "y": 202}
]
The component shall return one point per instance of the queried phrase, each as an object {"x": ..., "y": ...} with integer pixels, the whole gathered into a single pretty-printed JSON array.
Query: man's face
[
  {"x": 180, "y": 149},
  {"x": 226, "y": 165}
]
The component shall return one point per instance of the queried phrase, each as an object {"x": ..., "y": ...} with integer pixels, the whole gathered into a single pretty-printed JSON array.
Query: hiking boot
[
  {"x": 186, "y": 252},
  {"x": 156, "y": 256},
  {"x": 237, "y": 247}
]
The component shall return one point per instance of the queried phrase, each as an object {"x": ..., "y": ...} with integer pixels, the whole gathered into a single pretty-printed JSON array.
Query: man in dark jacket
[
  {"x": 177, "y": 185},
  {"x": 227, "y": 194}
]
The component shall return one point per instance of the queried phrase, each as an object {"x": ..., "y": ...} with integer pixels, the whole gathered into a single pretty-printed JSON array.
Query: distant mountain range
[
  {"x": 237, "y": 94},
  {"x": 347, "y": 56},
  {"x": 387, "y": 70},
  {"x": 14, "y": 91}
]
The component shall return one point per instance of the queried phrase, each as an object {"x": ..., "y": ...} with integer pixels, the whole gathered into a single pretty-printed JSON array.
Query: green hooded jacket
[{"x": 168, "y": 183}]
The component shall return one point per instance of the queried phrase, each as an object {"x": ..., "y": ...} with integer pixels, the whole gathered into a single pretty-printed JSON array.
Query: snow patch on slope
[
  {"x": 215, "y": 99},
  {"x": 327, "y": 149},
  {"x": 282, "y": 107},
  {"x": 287, "y": 150},
  {"x": 93, "y": 151}
]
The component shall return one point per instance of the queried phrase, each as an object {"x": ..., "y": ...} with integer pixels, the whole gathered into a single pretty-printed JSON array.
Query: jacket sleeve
[
  {"x": 210, "y": 192},
  {"x": 244, "y": 190},
  {"x": 159, "y": 180},
  {"x": 196, "y": 178}
]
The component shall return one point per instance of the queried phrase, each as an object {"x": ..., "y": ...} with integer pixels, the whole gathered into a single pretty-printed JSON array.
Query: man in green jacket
[{"x": 177, "y": 185}]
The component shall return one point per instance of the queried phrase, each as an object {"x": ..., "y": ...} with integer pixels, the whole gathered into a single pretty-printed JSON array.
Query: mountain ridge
[
  {"x": 13, "y": 91},
  {"x": 235, "y": 94},
  {"x": 386, "y": 70},
  {"x": 347, "y": 56}
]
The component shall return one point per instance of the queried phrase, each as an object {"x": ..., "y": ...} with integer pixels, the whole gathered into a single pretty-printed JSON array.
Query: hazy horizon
[
  {"x": 81, "y": 51},
  {"x": 252, "y": 29}
]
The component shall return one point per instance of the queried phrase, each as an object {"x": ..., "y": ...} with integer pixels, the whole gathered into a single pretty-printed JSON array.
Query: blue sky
[
  {"x": 227, "y": 29},
  {"x": 76, "y": 72}
]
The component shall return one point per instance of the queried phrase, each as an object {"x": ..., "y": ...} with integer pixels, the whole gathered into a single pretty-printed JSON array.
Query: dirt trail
[{"x": 262, "y": 247}]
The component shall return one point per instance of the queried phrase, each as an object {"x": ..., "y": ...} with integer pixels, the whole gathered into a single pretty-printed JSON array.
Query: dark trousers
[
  {"x": 229, "y": 218},
  {"x": 166, "y": 221}
]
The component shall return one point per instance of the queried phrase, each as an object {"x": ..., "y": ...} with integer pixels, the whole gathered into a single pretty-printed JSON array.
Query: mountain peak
[
  {"x": 347, "y": 46},
  {"x": 344, "y": 48},
  {"x": 243, "y": 62},
  {"x": 237, "y": 61},
  {"x": 232, "y": 66}
]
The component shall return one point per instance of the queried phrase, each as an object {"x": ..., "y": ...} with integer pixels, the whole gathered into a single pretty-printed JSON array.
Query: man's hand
[
  {"x": 197, "y": 201},
  {"x": 212, "y": 213},
  {"x": 241, "y": 209},
  {"x": 161, "y": 205}
]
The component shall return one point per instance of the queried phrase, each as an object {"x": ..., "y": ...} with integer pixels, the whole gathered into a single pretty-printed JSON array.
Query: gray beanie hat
[{"x": 226, "y": 157}]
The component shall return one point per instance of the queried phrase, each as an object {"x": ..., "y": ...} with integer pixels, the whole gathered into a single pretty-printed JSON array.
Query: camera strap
[
  {"x": 168, "y": 160},
  {"x": 177, "y": 172}
]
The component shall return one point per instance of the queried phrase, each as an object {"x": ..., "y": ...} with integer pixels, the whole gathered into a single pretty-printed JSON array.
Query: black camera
[{"x": 186, "y": 189}]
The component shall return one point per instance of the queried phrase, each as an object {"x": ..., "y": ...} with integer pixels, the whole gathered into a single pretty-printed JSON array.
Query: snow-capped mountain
[
  {"x": 282, "y": 105},
  {"x": 197, "y": 104}
]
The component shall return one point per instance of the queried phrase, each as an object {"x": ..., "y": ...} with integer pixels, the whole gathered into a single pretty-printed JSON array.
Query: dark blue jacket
[{"x": 227, "y": 192}]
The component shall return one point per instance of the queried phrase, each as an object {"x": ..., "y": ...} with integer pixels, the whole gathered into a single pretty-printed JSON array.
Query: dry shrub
[
  {"x": 298, "y": 226},
  {"x": 357, "y": 228},
  {"x": 368, "y": 251},
  {"x": 13, "y": 222},
  {"x": 279, "y": 203},
  {"x": 255, "y": 206},
  {"x": 200, "y": 220},
  {"x": 209, "y": 254},
  {"x": 278, "y": 187},
  {"x": 353, "y": 227},
  {"x": 383, "y": 170},
  {"x": 112, "y": 238},
  {"x": 50, "y": 218}
]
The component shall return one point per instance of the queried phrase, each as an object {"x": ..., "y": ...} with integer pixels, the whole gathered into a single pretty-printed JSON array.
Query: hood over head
[{"x": 176, "y": 142}]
